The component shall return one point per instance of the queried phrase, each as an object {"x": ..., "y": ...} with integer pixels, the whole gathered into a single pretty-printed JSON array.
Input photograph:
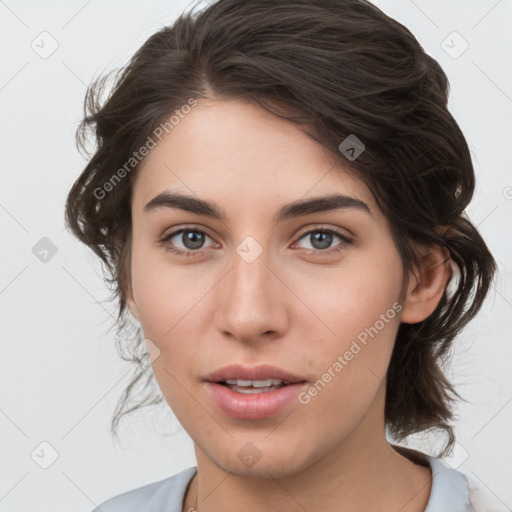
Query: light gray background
[{"x": 60, "y": 372}]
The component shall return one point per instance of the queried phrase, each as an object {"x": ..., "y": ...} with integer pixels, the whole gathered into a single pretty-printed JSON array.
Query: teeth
[{"x": 255, "y": 383}]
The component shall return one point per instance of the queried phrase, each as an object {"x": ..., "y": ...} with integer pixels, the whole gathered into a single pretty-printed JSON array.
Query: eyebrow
[{"x": 291, "y": 210}]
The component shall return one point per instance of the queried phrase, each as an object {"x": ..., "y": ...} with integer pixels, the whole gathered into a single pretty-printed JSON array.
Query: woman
[{"x": 278, "y": 197}]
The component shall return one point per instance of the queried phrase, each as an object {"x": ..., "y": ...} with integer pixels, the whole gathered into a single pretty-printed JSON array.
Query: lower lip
[{"x": 253, "y": 406}]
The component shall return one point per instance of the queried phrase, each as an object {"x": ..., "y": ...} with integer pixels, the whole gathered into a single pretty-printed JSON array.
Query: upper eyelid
[
  {"x": 345, "y": 239},
  {"x": 178, "y": 231},
  {"x": 336, "y": 231}
]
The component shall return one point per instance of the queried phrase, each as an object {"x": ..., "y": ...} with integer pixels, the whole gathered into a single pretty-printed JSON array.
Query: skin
[{"x": 289, "y": 307}]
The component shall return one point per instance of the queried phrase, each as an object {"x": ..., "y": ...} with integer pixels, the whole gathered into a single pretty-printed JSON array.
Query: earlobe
[{"x": 423, "y": 294}]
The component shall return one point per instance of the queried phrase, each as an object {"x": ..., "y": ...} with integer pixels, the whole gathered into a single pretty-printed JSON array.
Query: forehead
[{"x": 224, "y": 149}]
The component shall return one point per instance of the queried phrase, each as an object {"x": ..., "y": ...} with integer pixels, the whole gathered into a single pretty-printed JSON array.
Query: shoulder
[
  {"x": 451, "y": 487},
  {"x": 453, "y": 490},
  {"x": 162, "y": 496}
]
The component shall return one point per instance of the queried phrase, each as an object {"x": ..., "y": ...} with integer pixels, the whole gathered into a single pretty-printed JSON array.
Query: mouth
[
  {"x": 250, "y": 387},
  {"x": 256, "y": 377},
  {"x": 253, "y": 393}
]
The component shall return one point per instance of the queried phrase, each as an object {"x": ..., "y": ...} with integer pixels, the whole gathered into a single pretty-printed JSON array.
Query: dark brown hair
[{"x": 342, "y": 67}]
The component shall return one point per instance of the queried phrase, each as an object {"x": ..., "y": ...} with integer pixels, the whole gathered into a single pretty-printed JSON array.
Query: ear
[{"x": 424, "y": 293}]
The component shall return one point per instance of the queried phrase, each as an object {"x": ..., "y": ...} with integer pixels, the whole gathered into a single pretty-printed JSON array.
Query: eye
[
  {"x": 192, "y": 241},
  {"x": 322, "y": 238}
]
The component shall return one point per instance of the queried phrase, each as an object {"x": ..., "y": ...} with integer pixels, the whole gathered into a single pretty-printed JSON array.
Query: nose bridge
[
  {"x": 250, "y": 304},
  {"x": 250, "y": 275}
]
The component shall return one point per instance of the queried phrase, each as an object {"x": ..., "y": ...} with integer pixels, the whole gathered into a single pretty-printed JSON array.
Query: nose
[{"x": 250, "y": 301}]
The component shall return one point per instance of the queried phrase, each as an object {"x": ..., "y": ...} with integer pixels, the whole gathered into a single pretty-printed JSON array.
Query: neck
[{"x": 363, "y": 472}]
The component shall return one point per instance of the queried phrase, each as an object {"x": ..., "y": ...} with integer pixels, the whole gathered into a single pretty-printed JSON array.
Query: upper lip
[{"x": 261, "y": 372}]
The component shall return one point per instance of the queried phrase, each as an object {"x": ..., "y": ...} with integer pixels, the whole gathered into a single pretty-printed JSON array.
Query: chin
[{"x": 251, "y": 462}]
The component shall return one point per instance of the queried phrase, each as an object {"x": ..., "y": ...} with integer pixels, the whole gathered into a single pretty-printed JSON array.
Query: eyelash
[{"x": 337, "y": 248}]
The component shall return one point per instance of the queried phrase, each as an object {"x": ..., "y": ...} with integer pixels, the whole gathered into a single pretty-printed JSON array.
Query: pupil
[
  {"x": 193, "y": 239},
  {"x": 326, "y": 241}
]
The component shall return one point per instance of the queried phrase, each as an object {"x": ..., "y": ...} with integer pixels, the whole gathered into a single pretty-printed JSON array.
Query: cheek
[
  {"x": 165, "y": 294},
  {"x": 359, "y": 313},
  {"x": 354, "y": 296},
  {"x": 351, "y": 364}
]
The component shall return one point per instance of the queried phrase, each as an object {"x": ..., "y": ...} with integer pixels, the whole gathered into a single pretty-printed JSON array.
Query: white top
[{"x": 450, "y": 492}]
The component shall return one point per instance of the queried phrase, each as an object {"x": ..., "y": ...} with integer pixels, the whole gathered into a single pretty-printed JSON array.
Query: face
[{"x": 300, "y": 292}]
